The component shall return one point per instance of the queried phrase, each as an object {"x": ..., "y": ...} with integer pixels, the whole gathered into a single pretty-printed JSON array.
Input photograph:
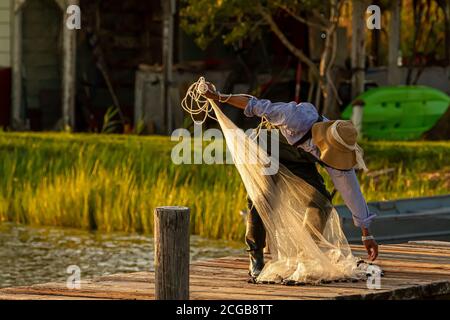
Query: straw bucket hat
[{"x": 337, "y": 142}]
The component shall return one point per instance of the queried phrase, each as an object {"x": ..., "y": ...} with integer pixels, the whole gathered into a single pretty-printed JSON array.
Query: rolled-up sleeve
[
  {"x": 294, "y": 119},
  {"x": 347, "y": 184},
  {"x": 276, "y": 112}
]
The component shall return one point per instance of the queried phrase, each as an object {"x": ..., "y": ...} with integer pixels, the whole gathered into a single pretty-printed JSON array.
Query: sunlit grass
[{"x": 113, "y": 183}]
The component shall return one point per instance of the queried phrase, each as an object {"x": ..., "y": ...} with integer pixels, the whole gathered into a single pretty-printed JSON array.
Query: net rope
[{"x": 305, "y": 237}]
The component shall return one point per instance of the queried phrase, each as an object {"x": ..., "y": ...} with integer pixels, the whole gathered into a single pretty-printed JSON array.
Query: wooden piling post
[{"x": 171, "y": 253}]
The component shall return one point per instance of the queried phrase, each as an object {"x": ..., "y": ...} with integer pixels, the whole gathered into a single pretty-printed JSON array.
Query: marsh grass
[{"x": 113, "y": 182}]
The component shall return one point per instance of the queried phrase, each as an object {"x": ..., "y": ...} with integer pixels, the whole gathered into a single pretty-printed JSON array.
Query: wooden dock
[{"x": 417, "y": 270}]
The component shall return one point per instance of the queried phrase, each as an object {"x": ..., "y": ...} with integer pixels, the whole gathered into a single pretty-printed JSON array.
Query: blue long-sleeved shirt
[{"x": 294, "y": 121}]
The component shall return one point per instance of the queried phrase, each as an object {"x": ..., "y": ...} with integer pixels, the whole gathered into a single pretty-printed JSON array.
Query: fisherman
[{"x": 311, "y": 138}]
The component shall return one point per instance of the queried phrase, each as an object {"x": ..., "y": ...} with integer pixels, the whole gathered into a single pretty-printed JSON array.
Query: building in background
[
  {"x": 64, "y": 77},
  {"x": 5, "y": 33},
  {"x": 52, "y": 77},
  {"x": 5, "y": 63}
]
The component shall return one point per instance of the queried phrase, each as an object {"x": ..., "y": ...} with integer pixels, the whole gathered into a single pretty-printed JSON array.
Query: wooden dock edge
[{"x": 412, "y": 271}]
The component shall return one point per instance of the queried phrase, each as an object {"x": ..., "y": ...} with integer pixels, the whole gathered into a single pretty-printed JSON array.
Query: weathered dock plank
[{"x": 412, "y": 271}]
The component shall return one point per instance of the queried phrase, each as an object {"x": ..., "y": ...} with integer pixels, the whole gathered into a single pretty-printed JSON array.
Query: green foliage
[
  {"x": 234, "y": 20},
  {"x": 421, "y": 168},
  {"x": 109, "y": 124},
  {"x": 208, "y": 19},
  {"x": 423, "y": 30},
  {"x": 140, "y": 127},
  {"x": 113, "y": 182}
]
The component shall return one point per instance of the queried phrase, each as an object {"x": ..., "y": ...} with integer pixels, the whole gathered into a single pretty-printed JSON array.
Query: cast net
[{"x": 305, "y": 238}]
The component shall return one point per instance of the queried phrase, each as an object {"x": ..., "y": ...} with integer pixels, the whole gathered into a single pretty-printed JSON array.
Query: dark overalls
[{"x": 303, "y": 165}]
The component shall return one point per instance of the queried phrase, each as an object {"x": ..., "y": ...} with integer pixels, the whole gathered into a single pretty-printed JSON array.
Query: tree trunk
[
  {"x": 358, "y": 47},
  {"x": 394, "y": 75},
  {"x": 69, "y": 74},
  {"x": 329, "y": 109},
  {"x": 330, "y": 94},
  {"x": 358, "y": 58},
  {"x": 327, "y": 59},
  {"x": 167, "y": 56},
  {"x": 285, "y": 41},
  {"x": 447, "y": 31}
]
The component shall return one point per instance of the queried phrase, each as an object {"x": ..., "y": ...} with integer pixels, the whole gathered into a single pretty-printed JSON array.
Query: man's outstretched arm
[
  {"x": 236, "y": 101},
  {"x": 293, "y": 121},
  {"x": 347, "y": 184}
]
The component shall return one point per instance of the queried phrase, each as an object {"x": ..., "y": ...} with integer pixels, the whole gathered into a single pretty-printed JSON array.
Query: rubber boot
[
  {"x": 256, "y": 262},
  {"x": 255, "y": 237}
]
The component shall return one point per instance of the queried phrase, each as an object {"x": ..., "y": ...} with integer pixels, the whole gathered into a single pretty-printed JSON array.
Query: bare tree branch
[
  {"x": 295, "y": 51},
  {"x": 328, "y": 58},
  {"x": 334, "y": 89},
  {"x": 325, "y": 86},
  {"x": 333, "y": 59},
  {"x": 301, "y": 19},
  {"x": 320, "y": 17},
  {"x": 327, "y": 54}
]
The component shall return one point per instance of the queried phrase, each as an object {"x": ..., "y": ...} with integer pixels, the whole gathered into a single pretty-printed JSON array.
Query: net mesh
[{"x": 304, "y": 233}]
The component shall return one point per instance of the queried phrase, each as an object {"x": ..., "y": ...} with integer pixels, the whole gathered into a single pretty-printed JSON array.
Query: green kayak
[{"x": 400, "y": 112}]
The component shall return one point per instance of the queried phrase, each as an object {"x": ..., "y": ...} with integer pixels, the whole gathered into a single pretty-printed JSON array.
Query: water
[{"x": 30, "y": 255}]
